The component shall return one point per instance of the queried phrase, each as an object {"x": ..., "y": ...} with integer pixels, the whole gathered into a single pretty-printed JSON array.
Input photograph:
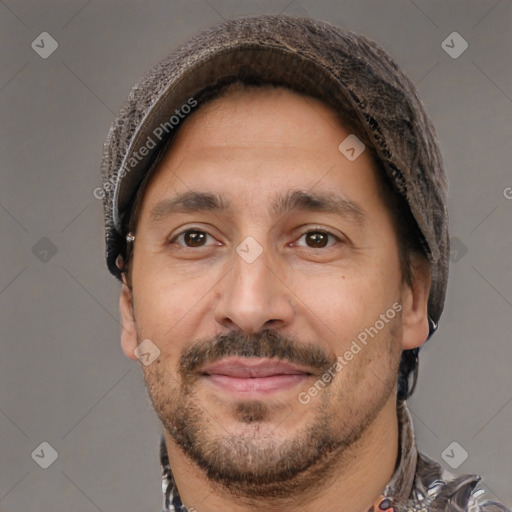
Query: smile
[{"x": 253, "y": 375}]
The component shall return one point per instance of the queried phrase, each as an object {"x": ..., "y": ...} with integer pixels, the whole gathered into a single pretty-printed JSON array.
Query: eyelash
[{"x": 192, "y": 229}]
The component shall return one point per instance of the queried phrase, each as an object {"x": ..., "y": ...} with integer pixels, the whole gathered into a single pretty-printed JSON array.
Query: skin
[{"x": 317, "y": 297}]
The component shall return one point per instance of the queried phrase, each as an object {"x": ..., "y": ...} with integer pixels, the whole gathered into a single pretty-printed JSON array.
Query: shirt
[{"x": 418, "y": 484}]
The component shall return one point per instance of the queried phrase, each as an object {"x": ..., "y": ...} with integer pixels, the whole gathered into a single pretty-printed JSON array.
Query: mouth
[{"x": 252, "y": 375}]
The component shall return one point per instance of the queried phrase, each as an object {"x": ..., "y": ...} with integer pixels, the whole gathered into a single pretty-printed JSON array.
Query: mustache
[{"x": 266, "y": 343}]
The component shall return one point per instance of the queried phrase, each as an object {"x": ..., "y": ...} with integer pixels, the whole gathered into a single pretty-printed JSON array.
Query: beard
[{"x": 256, "y": 461}]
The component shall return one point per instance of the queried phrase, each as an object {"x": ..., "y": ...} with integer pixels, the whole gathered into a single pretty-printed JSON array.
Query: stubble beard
[{"x": 254, "y": 463}]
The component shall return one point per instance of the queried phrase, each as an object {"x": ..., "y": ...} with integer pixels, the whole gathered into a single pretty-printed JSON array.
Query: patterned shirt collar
[{"x": 400, "y": 486}]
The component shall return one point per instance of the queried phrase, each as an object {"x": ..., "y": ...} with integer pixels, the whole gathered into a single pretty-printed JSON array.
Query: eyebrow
[
  {"x": 294, "y": 200},
  {"x": 188, "y": 202},
  {"x": 318, "y": 202}
]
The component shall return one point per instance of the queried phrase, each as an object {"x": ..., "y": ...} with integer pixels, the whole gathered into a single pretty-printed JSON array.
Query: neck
[{"x": 354, "y": 481}]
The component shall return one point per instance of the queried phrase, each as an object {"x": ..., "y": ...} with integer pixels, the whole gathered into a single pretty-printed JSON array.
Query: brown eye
[
  {"x": 192, "y": 238},
  {"x": 317, "y": 239}
]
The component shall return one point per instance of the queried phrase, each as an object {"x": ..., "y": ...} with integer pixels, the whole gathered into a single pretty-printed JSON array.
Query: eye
[
  {"x": 192, "y": 238},
  {"x": 318, "y": 239}
]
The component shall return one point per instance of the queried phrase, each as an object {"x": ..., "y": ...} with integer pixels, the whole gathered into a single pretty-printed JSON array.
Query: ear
[
  {"x": 414, "y": 304},
  {"x": 128, "y": 331}
]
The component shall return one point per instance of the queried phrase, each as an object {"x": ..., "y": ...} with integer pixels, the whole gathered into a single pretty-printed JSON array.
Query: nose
[{"x": 253, "y": 295}]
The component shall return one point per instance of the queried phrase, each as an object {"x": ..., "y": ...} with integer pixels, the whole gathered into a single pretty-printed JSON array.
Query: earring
[
  {"x": 432, "y": 327},
  {"x": 130, "y": 237},
  {"x": 119, "y": 262}
]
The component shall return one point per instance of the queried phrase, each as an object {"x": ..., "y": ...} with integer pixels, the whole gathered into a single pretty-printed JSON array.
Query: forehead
[
  {"x": 259, "y": 136},
  {"x": 264, "y": 115}
]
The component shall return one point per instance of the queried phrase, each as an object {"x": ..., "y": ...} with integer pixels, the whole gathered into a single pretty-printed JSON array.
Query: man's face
[{"x": 271, "y": 285}]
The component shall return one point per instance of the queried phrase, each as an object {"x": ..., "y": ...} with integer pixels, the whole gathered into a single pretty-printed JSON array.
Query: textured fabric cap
[{"x": 348, "y": 71}]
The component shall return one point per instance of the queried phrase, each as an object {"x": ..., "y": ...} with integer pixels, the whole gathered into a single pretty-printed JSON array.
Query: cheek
[
  {"x": 160, "y": 304},
  {"x": 343, "y": 304},
  {"x": 172, "y": 308}
]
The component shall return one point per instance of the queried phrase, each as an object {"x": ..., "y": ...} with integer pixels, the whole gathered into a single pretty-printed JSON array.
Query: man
[{"x": 275, "y": 206}]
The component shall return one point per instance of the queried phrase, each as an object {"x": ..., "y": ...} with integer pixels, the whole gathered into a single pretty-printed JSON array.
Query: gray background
[{"x": 63, "y": 377}]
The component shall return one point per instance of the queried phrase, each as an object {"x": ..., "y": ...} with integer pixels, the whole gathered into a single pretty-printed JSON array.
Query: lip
[{"x": 253, "y": 375}]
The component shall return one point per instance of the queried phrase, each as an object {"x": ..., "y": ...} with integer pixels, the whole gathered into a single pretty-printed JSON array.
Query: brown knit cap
[{"x": 348, "y": 71}]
